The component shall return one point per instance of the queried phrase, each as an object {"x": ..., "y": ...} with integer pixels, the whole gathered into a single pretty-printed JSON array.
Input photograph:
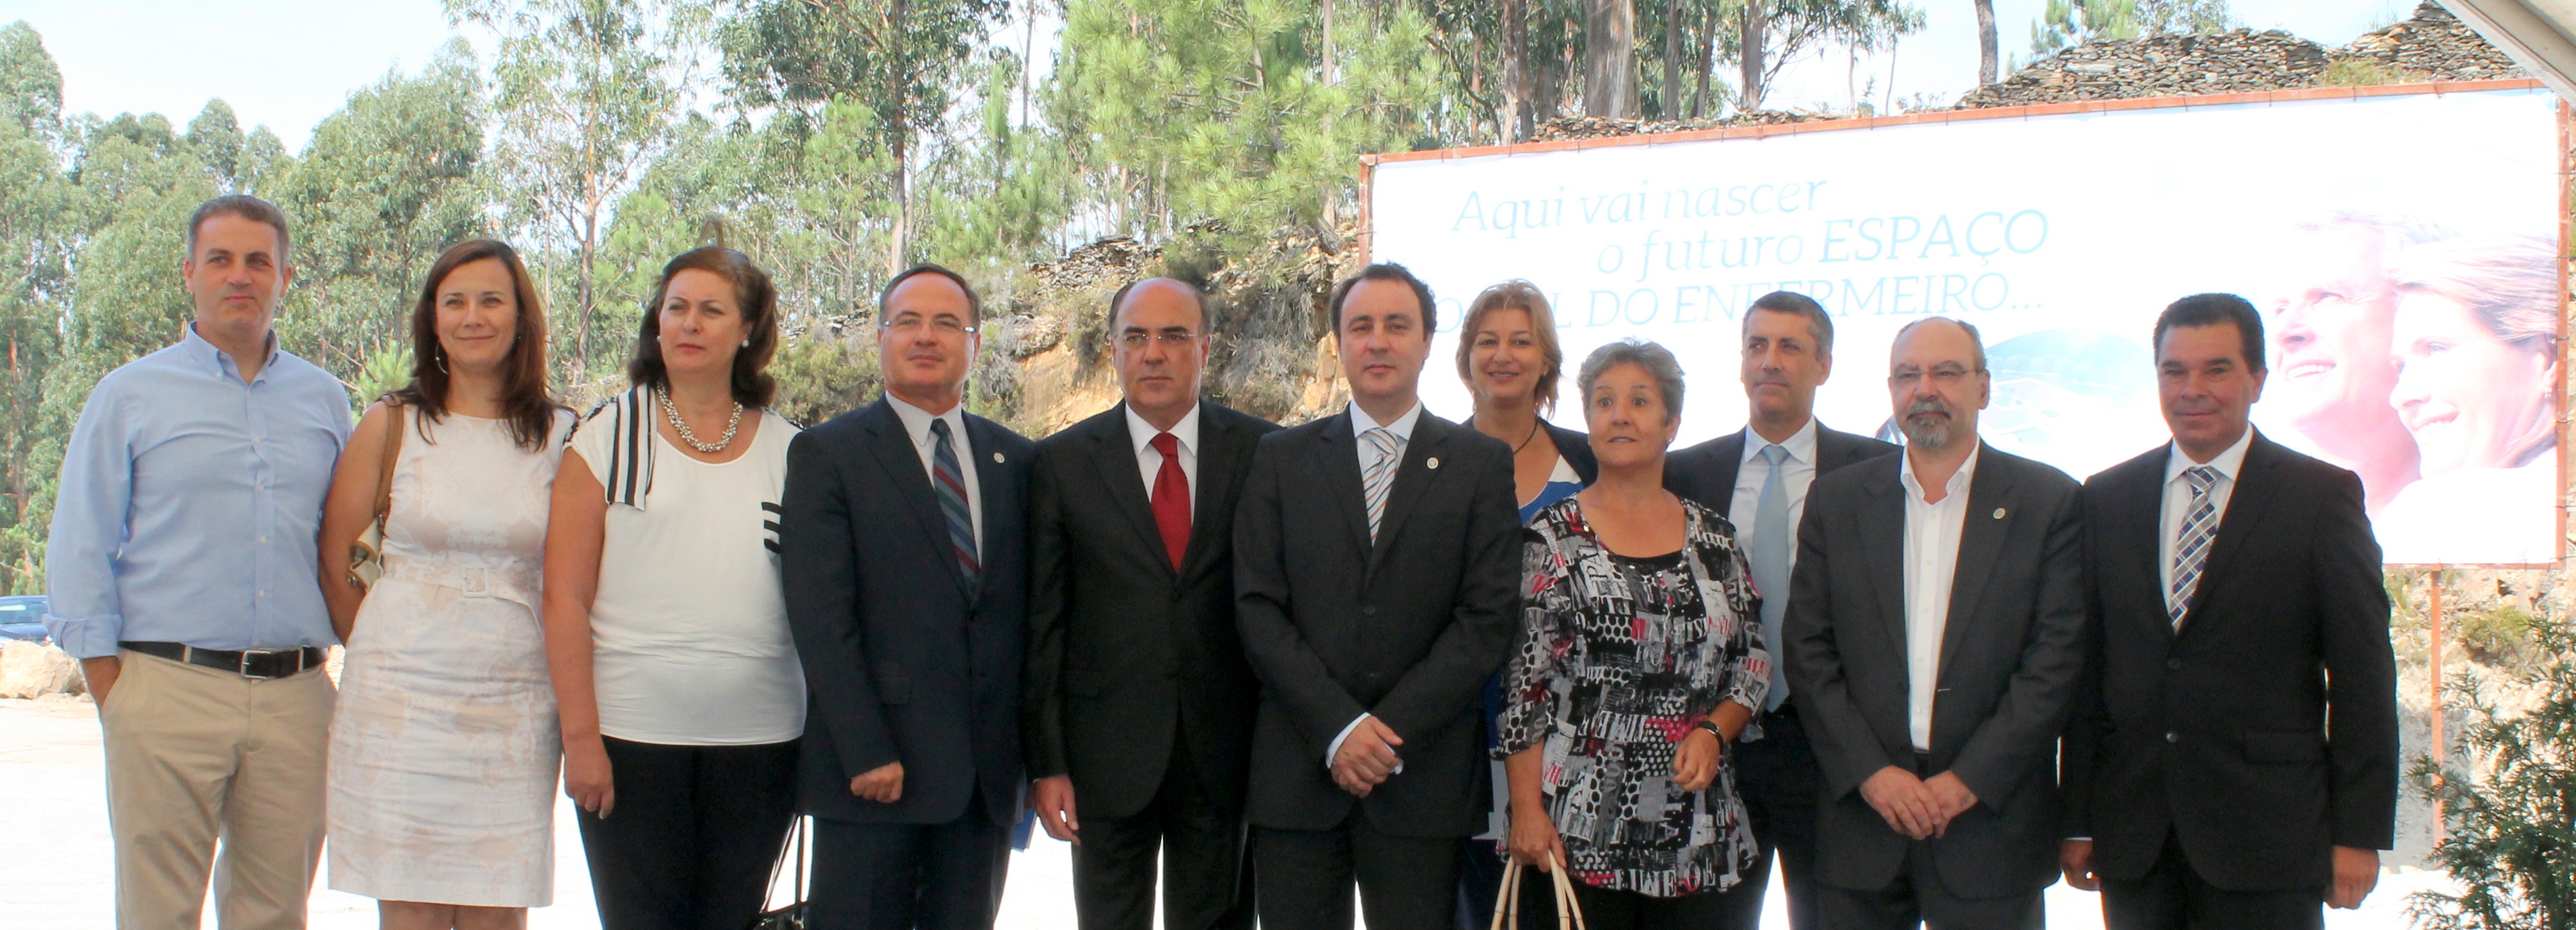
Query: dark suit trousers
[
  {"x": 903, "y": 876},
  {"x": 1206, "y": 878},
  {"x": 2172, "y": 896},
  {"x": 1917, "y": 897},
  {"x": 1305, "y": 876},
  {"x": 1779, "y": 779},
  {"x": 692, "y": 835}
]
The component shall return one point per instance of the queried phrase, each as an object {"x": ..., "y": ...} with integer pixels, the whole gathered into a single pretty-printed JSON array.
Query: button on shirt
[
  {"x": 1149, "y": 463},
  {"x": 189, "y": 503},
  {"x": 1931, "y": 562},
  {"x": 2178, "y": 496},
  {"x": 916, "y": 423},
  {"x": 1361, "y": 423}
]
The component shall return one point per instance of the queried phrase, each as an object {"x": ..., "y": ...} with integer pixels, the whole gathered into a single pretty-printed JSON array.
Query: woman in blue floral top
[{"x": 1640, "y": 659}]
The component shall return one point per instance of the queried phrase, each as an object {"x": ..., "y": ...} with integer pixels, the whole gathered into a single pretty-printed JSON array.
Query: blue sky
[{"x": 289, "y": 63}]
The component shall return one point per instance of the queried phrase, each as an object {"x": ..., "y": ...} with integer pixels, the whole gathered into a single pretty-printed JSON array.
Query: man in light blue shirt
[{"x": 183, "y": 575}]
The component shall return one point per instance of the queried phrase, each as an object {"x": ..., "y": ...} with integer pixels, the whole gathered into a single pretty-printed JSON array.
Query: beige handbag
[
  {"x": 367, "y": 555},
  {"x": 1507, "y": 905}
]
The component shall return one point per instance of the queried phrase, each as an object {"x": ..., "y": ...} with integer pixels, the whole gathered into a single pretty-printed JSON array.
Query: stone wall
[{"x": 2432, "y": 45}]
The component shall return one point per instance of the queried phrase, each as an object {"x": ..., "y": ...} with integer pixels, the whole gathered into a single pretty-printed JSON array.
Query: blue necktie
[
  {"x": 1771, "y": 557},
  {"x": 2191, "y": 548},
  {"x": 952, "y": 501}
]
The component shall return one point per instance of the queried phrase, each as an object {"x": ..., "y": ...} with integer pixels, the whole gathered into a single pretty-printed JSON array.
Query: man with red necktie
[{"x": 1139, "y": 704}]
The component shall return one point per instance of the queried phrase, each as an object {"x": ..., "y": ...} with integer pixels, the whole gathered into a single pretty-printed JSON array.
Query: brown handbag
[{"x": 367, "y": 555}]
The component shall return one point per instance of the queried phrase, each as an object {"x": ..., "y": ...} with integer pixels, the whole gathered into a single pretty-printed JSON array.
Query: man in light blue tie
[{"x": 1759, "y": 477}]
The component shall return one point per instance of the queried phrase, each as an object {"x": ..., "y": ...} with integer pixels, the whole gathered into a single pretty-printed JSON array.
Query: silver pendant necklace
[{"x": 681, "y": 426}]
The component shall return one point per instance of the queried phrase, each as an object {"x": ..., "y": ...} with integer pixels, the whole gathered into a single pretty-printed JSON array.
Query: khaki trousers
[{"x": 194, "y": 755}]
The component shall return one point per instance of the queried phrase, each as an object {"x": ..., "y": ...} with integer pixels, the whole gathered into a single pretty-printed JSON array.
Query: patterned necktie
[
  {"x": 952, "y": 501},
  {"x": 2191, "y": 549},
  {"x": 1771, "y": 557},
  {"x": 1172, "y": 499},
  {"x": 1381, "y": 474}
]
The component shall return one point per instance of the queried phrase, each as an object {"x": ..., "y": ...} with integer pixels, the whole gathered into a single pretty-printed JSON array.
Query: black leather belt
[{"x": 248, "y": 663}]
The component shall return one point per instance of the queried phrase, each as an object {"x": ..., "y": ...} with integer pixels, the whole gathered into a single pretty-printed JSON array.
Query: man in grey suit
[{"x": 1934, "y": 629}]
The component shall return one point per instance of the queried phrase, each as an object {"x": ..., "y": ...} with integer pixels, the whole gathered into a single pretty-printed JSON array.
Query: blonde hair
[
  {"x": 2509, "y": 284},
  {"x": 1515, "y": 294}
]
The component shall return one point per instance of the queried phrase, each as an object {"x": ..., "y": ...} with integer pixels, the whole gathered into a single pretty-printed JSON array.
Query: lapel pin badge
[
  {"x": 997, "y": 459},
  {"x": 1999, "y": 512},
  {"x": 1433, "y": 462}
]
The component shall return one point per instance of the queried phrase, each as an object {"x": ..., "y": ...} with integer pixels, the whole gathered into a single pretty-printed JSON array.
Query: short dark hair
[
  {"x": 752, "y": 385},
  {"x": 974, "y": 304},
  {"x": 2211, "y": 310},
  {"x": 1384, "y": 271},
  {"x": 1819, "y": 324},
  {"x": 244, "y": 206},
  {"x": 1118, "y": 301}
]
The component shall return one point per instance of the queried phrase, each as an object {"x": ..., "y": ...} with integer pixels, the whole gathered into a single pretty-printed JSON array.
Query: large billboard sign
[{"x": 2403, "y": 247}]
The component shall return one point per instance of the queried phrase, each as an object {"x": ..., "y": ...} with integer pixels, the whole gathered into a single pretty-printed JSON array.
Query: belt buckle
[
  {"x": 477, "y": 582},
  {"x": 248, "y": 655}
]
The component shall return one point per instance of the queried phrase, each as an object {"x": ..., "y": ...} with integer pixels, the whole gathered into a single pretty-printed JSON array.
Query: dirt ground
[{"x": 55, "y": 858}]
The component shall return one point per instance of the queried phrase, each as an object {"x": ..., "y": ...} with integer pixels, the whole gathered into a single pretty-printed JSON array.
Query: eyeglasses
[
  {"x": 1945, "y": 375},
  {"x": 1170, "y": 340},
  {"x": 912, "y": 323}
]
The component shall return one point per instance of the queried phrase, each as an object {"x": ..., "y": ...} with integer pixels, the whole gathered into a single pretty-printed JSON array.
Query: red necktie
[{"x": 1172, "y": 499}]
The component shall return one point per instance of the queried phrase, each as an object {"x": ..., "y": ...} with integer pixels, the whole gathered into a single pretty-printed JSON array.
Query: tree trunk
[
  {"x": 1671, "y": 105},
  {"x": 1515, "y": 118},
  {"x": 1707, "y": 65},
  {"x": 1756, "y": 32},
  {"x": 898, "y": 130},
  {"x": 1986, "y": 42},
  {"x": 1610, "y": 58}
]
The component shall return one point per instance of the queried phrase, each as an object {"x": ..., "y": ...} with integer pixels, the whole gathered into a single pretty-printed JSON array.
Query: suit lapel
[
  {"x": 897, "y": 456},
  {"x": 1218, "y": 442},
  {"x": 1981, "y": 541},
  {"x": 992, "y": 487},
  {"x": 2246, "y": 505},
  {"x": 1724, "y": 472},
  {"x": 2132, "y": 535},
  {"x": 1882, "y": 524},
  {"x": 1341, "y": 470},
  {"x": 1413, "y": 479},
  {"x": 1113, "y": 459}
]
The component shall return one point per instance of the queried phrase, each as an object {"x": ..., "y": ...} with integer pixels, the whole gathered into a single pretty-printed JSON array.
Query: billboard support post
[{"x": 2441, "y": 755}]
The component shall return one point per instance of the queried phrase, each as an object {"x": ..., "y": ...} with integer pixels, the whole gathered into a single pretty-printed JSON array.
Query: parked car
[{"x": 23, "y": 617}]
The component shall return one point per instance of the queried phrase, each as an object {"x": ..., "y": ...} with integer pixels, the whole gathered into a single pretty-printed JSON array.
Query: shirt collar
[
  {"x": 2228, "y": 462},
  {"x": 1402, "y": 427},
  {"x": 1141, "y": 434},
  {"x": 215, "y": 360},
  {"x": 1958, "y": 481},
  {"x": 916, "y": 421},
  {"x": 1801, "y": 444}
]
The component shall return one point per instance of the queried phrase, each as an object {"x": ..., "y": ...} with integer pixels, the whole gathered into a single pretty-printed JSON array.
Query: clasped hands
[
  {"x": 1367, "y": 757},
  {"x": 1920, "y": 808}
]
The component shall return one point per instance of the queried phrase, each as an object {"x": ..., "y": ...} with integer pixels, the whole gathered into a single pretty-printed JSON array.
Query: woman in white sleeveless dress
[{"x": 444, "y": 747}]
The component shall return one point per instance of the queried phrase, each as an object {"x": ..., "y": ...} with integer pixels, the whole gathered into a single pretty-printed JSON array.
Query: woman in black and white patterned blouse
[{"x": 1640, "y": 659}]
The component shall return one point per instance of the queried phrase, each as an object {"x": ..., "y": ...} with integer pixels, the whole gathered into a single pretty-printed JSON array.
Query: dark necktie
[
  {"x": 1172, "y": 499},
  {"x": 952, "y": 501}
]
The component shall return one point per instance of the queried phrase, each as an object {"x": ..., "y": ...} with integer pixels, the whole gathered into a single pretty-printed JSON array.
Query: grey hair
[
  {"x": 1655, "y": 359},
  {"x": 1975, "y": 341},
  {"x": 2396, "y": 230}
]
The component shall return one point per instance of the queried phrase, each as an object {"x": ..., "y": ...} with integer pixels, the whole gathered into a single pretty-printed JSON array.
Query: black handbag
[{"x": 792, "y": 856}]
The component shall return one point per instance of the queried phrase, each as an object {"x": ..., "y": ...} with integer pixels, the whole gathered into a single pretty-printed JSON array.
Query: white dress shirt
[
  {"x": 1799, "y": 470},
  {"x": 916, "y": 423},
  {"x": 2178, "y": 496},
  {"x": 1402, "y": 427},
  {"x": 1149, "y": 462},
  {"x": 1931, "y": 562}
]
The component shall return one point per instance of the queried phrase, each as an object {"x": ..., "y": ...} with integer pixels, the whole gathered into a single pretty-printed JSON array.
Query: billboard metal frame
[{"x": 2566, "y": 189}]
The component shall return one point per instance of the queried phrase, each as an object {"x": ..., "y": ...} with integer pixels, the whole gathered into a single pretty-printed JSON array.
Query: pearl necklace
[{"x": 682, "y": 426}]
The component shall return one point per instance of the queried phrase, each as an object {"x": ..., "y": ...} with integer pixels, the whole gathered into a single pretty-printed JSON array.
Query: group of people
[
  {"x": 2427, "y": 361},
  {"x": 1242, "y": 668}
]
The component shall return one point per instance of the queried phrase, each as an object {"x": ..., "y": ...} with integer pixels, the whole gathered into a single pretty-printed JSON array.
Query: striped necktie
[
  {"x": 2191, "y": 549},
  {"x": 1381, "y": 473},
  {"x": 952, "y": 501}
]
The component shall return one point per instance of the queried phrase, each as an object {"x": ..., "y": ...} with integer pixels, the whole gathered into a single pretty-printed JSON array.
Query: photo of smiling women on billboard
[
  {"x": 2332, "y": 365},
  {"x": 2475, "y": 340}
]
